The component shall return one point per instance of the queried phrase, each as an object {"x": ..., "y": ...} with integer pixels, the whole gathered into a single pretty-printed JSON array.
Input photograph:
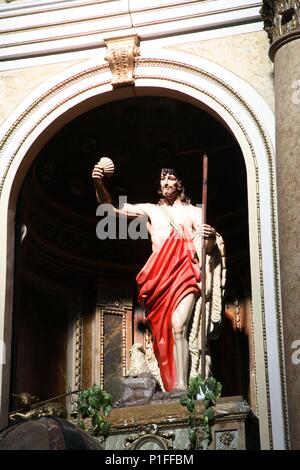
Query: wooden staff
[{"x": 203, "y": 269}]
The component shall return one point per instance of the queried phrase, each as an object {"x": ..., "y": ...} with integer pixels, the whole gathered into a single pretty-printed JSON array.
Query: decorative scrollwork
[
  {"x": 227, "y": 440},
  {"x": 121, "y": 54},
  {"x": 150, "y": 437},
  {"x": 280, "y": 17}
]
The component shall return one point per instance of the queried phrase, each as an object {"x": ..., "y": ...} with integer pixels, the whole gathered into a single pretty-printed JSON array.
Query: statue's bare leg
[{"x": 180, "y": 321}]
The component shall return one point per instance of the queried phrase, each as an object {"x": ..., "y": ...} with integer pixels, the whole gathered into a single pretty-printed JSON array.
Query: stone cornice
[
  {"x": 281, "y": 22},
  {"x": 36, "y": 28}
]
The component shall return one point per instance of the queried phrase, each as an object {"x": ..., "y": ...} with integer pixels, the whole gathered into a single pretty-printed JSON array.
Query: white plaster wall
[
  {"x": 172, "y": 77},
  {"x": 245, "y": 54},
  {"x": 16, "y": 84}
]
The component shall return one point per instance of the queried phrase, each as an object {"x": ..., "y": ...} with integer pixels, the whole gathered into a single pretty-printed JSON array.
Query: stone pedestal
[
  {"x": 163, "y": 425},
  {"x": 138, "y": 390}
]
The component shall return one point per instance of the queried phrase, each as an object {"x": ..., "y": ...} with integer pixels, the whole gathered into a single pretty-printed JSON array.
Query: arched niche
[{"x": 243, "y": 111}]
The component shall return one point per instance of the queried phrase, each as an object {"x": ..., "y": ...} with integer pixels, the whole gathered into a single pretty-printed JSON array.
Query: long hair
[{"x": 181, "y": 190}]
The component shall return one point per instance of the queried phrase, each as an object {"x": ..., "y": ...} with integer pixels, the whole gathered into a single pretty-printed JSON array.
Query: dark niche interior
[{"x": 59, "y": 257}]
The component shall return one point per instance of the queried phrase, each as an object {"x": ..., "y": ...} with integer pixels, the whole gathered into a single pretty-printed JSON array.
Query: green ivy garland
[
  {"x": 89, "y": 403},
  {"x": 201, "y": 436}
]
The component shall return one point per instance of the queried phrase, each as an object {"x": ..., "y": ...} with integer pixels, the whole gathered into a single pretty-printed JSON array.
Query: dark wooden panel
[
  {"x": 113, "y": 354},
  {"x": 39, "y": 344}
]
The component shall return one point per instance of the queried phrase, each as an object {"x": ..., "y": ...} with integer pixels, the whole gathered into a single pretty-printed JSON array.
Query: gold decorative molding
[
  {"x": 164, "y": 417},
  {"x": 119, "y": 310},
  {"x": 99, "y": 348},
  {"x": 77, "y": 352},
  {"x": 98, "y": 353},
  {"x": 281, "y": 17},
  {"x": 121, "y": 54}
]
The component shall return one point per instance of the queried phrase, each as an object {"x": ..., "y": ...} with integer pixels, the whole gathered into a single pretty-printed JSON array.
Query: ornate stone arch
[{"x": 234, "y": 102}]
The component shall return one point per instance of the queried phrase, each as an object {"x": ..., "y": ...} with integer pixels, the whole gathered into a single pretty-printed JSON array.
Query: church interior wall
[
  {"x": 246, "y": 55},
  {"x": 141, "y": 93},
  {"x": 236, "y": 53},
  {"x": 16, "y": 84}
]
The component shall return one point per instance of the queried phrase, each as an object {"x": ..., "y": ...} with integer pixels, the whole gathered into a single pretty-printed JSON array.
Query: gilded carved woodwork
[
  {"x": 237, "y": 312},
  {"x": 77, "y": 379},
  {"x": 163, "y": 425},
  {"x": 112, "y": 334},
  {"x": 150, "y": 437},
  {"x": 121, "y": 55},
  {"x": 227, "y": 440},
  {"x": 280, "y": 17}
]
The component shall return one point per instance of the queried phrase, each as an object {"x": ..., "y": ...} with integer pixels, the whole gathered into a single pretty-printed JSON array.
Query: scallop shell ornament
[{"x": 108, "y": 166}]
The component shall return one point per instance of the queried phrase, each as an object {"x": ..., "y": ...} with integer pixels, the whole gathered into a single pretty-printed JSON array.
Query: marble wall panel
[{"x": 287, "y": 86}]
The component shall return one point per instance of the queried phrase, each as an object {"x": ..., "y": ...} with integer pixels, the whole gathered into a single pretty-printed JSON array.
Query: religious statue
[{"x": 170, "y": 282}]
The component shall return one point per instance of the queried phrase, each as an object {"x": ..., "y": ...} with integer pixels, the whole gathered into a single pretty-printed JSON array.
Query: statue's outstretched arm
[
  {"x": 102, "y": 194},
  {"x": 104, "y": 197}
]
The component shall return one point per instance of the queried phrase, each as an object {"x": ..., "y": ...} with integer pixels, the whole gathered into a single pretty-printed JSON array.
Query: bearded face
[{"x": 169, "y": 185}]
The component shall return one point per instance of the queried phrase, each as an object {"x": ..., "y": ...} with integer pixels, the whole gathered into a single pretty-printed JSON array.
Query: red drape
[{"x": 168, "y": 276}]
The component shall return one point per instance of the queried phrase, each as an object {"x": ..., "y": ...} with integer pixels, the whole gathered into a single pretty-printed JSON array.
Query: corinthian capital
[
  {"x": 280, "y": 17},
  {"x": 121, "y": 54}
]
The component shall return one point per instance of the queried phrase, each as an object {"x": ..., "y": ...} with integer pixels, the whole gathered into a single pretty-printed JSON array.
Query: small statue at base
[{"x": 30, "y": 409}]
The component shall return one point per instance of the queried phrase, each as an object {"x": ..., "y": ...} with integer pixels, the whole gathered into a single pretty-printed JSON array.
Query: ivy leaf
[
  {"x": 183, "y": 400},
  {"x": 205, "y": 443},
  {"x": 106, "y": 396},
  {"x": 194, "y": 385},
  {"x": 211, "y": 390},
  {"x": 210, "y": 396},
  {"x": 190, "y": 405},
  {"x": 94, "y": 403},
  {"x": 218, "y": 389},
  {"x": 107, "y": 410},
  {"x": 81, "y": 424},
  {"x": 89, "y": 403},
  {"x": 193, "y": 438},
  {"x": 209, "y": 414},
  {"x": 105, "y": 428}
]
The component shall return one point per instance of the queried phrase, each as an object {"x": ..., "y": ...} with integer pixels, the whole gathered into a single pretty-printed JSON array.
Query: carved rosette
[
  {"x": 150, "y": 438},
  {"x": 281, "y": 18},
  {"x": 121, "y": 55},
  {"x": 227, "y": 440}
]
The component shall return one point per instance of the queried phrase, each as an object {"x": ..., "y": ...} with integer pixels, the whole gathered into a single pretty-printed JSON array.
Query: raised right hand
[{"x": 98, "y": 173}]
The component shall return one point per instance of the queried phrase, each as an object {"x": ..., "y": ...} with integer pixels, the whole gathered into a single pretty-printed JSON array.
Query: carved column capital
[
  {"x": 121, "y": 55},
  {"x": 281, "y": 21}
]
